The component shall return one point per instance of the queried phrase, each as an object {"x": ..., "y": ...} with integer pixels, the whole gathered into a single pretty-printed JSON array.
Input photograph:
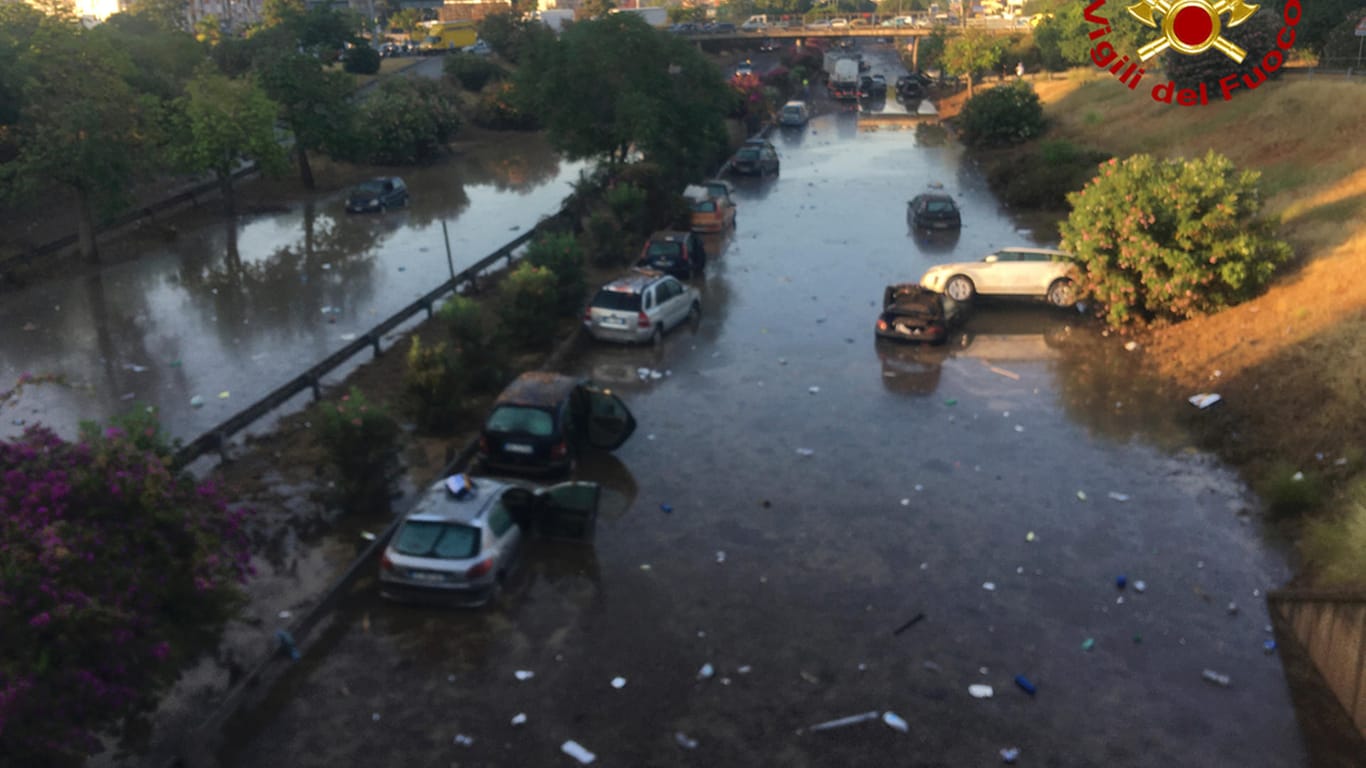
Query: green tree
[
  {"x": 930, "y": 49},
  {"x": 226, "y": 122},
  {"x": 1165, "y": 240},
  {"x": 1321, "y": 17},
  {"x": 1065, "y": 36},
  {"x": 972, "y": 54},
  {"x": 406, "y": 21},
  {"x": 163, "y": 59},
  {"x": 314, "y": 103},
  {"x": 166, "y": 14},
  {"x": 1010, "y": 114},
  {"x": 595, "y": 9},
  {"x": 1257, "y": 36},
  {"x": 408, "y": 120}
]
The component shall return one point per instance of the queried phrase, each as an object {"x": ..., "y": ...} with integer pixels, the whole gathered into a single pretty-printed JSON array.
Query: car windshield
[
  {"x": 431, "y": 538},
  {"x": 517, "y": 418},
  {"x": 370, "y": 188},
  {"x": 704, "y": 206},
  {"x": 617, "y": 300},
  {"x": 939, "y": 206},
  {"x": 663, "y": 249},
  {"x": 792, "y": 111},
  {"x": 747, "y": 153}
]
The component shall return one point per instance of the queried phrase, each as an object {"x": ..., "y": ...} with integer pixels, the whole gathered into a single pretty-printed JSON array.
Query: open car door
[
  {"x": 567, "y": 511},
  {"x": 609, "y": 422}
]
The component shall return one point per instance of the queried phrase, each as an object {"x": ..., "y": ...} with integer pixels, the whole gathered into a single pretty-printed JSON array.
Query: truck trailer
[{"x": 843, "y": 83}]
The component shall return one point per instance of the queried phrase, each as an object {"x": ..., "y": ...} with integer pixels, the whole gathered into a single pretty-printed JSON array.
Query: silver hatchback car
[
  {"x": 463, "y": 537},
  {"x": 641, "y": 306}
]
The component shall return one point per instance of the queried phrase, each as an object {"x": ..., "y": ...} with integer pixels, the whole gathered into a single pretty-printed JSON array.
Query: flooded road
[
  {"x": 241, "y": 309},
  {"x": 824, "y": 490}
]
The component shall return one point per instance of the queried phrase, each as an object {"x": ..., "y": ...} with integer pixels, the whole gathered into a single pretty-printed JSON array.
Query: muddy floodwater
[{"x": 795, "y": 493}]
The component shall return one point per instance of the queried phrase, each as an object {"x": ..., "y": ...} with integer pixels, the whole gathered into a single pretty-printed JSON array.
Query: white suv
[
  {"x": 1036, "y": 272},
  {"x": 641, "y": 306}
]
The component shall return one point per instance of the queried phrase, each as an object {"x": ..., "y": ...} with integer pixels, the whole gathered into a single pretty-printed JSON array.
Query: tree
[
  {"x": 1010, "y": 114},
  {"x": 1166, "y": 240},
  {"x": 972, "y": 54},
  {"x": 314, "y": 103},
  {"x": 1064, "y": 36},
  {"x": 228, "y": 121},
  {"x": 594, "y": 9},
  {"x": 168, "y": 15},
  {"x": 408, "y": 120},
  {"x": 1257, "y": 36},
  {"x": 407, "y": 21},
  {"x": 163, "y": 59},
  {"x": 116, "y": 570},
  {"x": 1321, "y": 17}
]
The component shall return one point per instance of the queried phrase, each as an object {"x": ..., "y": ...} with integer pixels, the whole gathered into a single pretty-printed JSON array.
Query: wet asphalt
[{"x": 824, "y": 490}]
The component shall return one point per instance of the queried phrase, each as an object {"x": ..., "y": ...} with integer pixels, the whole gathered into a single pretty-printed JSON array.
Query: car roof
[
  {"x": 671, "y": 236},
  {"x": 936, "y": 196},
  {"x": 440, "y": 504},
  {"x": 537, "y": 388},
  {"x": 795, "y": 103},
  {"x": 758, "y": 142},
  {"x": 635, "y": 282}
]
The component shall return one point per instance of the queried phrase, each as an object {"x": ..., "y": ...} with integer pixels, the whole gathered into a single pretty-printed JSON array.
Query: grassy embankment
[{"x": 1290, "y": 364}]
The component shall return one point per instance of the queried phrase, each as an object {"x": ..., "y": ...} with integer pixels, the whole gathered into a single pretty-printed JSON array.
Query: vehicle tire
[
  {"x": 1062, "y": 293},
  {"x": 960, "y": 288},
  {"x": 694, "y": 314},
  {"x": 657, "y": 337}
]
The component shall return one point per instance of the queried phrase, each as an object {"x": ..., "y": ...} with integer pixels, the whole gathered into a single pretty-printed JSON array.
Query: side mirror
[{"x": 990, "y": 259}]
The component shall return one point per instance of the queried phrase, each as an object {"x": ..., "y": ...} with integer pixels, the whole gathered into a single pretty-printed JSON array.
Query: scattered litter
[
  {"x": 1232, "y": 608},
  {"x": 1019, "y": 428},
  {"x": 1204, "y": 399},
  {"x": 666, "y": 509},
  {"x": 931, "y": 666},
  {"x": 197, "y": 401},
  {"x": 463, "y": 740},
  {"x": 284, "y": 614},
  {"x": 289, "y": 647},
  {"x": 1030, "y": 536},
  {"x": 989, "y": 586},
  {"x": 919, "y": 487},
  {"x": 1269, "y": 647},
  {"x": 331, "y": 311},
  {"x": 30, "y": 327},
  {"x": 1004, "y": 372},
  {"x": 1081, "y": 495},
  {"x": 805, "y": 452},
  {"x": 348, "y": 337},
  {"x": 1297, "y": 477},
  {"x": 684, "y": 740},
  {"x": 224, "y": 395},
  {"x": 368, "y": 536},
  {"x": 844, "y": 721},
  {"x": 951, "y": 401},
  {"x": 327, "y": 266},
  {"x": 1026, "y": 685},
  {"x": 1131, "y": 345},
  {"x": 810, "y": 678},
  {"x": 1121, "y": 581},
  {"x": 644, "y": 566},
  {"x": 745, "y": 669},
  {"x": 895, "y": 721},
  {"x": 1216, "y": 678},
  {"x": 523, "y": 674},
  {"x": 706, "y": 671},
  {"x": 981, "y": 691},
  {"x": 814, "y": 390},
  {"x": 618, "y": 683},
  {"x": 1119, "y": 600},
  {"x": 450, "y": 678},
  {"x": 128, "y": 396},
  {"x": 1088, "y": 644},
  {"x": 1010, "y": 755},
  {"x": 910, "y": 623},
  {"x": 905, "y": 502},
  {"x": 1340, "y": 461},
  {"x": 1118, "y": 496},
  {"x": 576, "y": 751},
  {"x": 720, "y": 555},
  {"x": 134, "y": 367},
  {"x": 374, "y": 717},
  {"x": 1140, "y": 586},
  {"x": 650, "y": 436}
]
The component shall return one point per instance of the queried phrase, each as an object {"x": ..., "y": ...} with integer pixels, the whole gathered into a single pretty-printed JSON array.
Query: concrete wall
[{"x": 1331, "y": 627}]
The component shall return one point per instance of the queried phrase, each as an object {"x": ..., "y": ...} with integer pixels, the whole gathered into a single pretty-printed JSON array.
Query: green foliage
[
  {"x": 361, "y": 442},
  {"x": 1334, "y": 546},
  {"x": 1257, "y": 36},
  {"x": 932, "y": 47},
  {"x": 163, "y": 58},
  {"x": 474, "y": 343},
  {"x": 409, "y": 120},
  {"x": 1166, "y": 240},
  {"x": 167, "y": 15},
  {"x": 1321, "y": 18},
  {"x": 528, "y": 303},
  {"x": 560, "y": 253},
  {"x": 1008, "y": 114},
  {"x": 595, "y": 9},
  {"x": 1291, "y": 493},
  {"x": 1064, "y": 39},
  {"x": 511, "y": 36},
  {"x": 606, "y": 241},
  {"x": 227, "y": 121},
  {"x": 1042, "y": 177},
  {"x": 361, "y": 60},
  {"x": 471, "y": 71},
  {"x": 434, "y": 387},
  {"x": 314, "y": 103},
  {"x": 663, "y": 203},
  {"x": 630, "y": 205},
  {"x": 1340, "y": 45},
  {"x": 972, "y": 54},
  {"x": 499, "y": 109}
]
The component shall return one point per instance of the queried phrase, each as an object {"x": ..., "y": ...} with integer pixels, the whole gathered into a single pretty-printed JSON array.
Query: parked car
[
  {"x": 542, "y": 421},
  {"x": 910, "y": 87},
  {"x": 675, "y": 253},
  {"x": 818, "y": 24},
  {"x": 933, "y": 211},
  {"x": 720, "y": 188},
  {"x": 480, "y": 48},
  {"x": 839, "y": 23},
  {"x": 378, "y": 195},
  {"x": 769, "y": 45},
  {"x": 723, "y": 28},
  {"x": 1037, "y": 272},
  {"x": 464, "y": 536},
  {"x": 710, "y": 213},
  {"x": 911, "y": 312},
  {"x": 756, "y": 158},
  {"x": 794, "y": 114},
  {"x": 872, "y": 87},
  {"x": 641, "y": 306},
  {"x": 744, "y": 69}
]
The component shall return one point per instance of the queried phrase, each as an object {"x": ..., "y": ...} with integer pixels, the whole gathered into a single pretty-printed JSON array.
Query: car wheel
[
  {"x": 960, "y": 288},
  {"x": 1061, "y": 293},
  {"x": 657, "y": 336},
  {"x": 694, "y": 313}
]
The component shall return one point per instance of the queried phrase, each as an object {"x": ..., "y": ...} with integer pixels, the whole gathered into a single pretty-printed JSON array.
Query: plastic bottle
[
  {"x": 1026, "y": 685},
  {"x": 1215, "y": 677}
]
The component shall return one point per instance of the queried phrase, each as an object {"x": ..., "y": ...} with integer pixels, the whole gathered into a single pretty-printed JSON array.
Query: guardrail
[
  {"x": 216, "y": 439},
  {"x": 1331, "y": 629}
]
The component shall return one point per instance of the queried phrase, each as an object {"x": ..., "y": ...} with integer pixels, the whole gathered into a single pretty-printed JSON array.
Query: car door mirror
[
  {"x": 610, "y": 423},
  {"x": 568, "y": 511}
]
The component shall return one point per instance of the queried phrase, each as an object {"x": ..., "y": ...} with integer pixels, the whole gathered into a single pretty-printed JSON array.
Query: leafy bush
[
  {"x": 471, "y": 71},
  {"x": 1009, "y": 114},
  {"x": 361, "y": 443},
  {"x": 115, "y": 571},
  {"x": 361, "y": 60},
  {"x": 1291, "y": 493},
  {"x": 662, "y": 201},
  {"x": 408, "y": 121},
  {"x": 527, "y": 304},
  {"x": 499, "y": 110},
  {"x": 630, "y": 204},
  {"x": 510, "y": 36},
  {"x": 606, "y": 242},
  {"x": 1042, "y": 177},
  {"x": 476, "y": 349},
  {"x": 1165, "y": 240},
  {"x": 1257, "y": 36},
  {"x": 434, "y": 387},
  {"x": 560, "y": 253}
]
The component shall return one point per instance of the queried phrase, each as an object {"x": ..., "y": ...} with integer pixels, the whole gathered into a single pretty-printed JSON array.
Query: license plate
[
  {"x": 516, "y": 448},
  {"x": 614, "y": 321},
  {"x": 427, "y": 576},
  {"x": 940, "y": 225}
]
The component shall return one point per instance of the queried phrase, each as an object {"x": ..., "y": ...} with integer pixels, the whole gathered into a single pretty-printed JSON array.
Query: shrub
[
  {"x": 470, "y": 71},
  {"x": 1165, "y": 240},
  {"x": 361, "y": 60},
  {"x": 606, "y": 242},
  {"x": 361, "y": 443},
  {"x": 498, "y": 110},
  {"x": 662, "y": 200},
  {"x": 1009, "y": 114},
  {"x": 116, "y": 570},
  {"x": 1257, "y": 36},
  {"x": 475, "y": 347},
  {"x": 527, "y": 304},
  {"x": 630, "y": 205},
  {"x": 1333, "y": 545},
  {"x": 1043, "y": 177},
  {"x": 408, "y": 121},
  {"x": 560, "y": 253},
  {"x": 434, "y": 387}
]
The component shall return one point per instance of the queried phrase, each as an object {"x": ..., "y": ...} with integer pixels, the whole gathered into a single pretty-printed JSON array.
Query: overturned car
[{"x": 913, "y": 313}]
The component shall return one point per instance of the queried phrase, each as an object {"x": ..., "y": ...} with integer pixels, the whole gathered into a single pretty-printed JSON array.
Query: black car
[
  {"x": 723, "y": 28},
  {"x": 680, "y": 254},
  {"x": 541, "y": 422},
  {"x": 756, "y": 158},
  {"x": 378, "y": 194},
  {"x": 872, "y": 87},
  {"x": 933, "y": 211},
  {"x": 913, "y": 313}
]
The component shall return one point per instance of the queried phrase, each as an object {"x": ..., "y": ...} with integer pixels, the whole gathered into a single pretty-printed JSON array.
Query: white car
[
  {"x": 641, "y": 307},
  {"x": 1036, "y": 272}
]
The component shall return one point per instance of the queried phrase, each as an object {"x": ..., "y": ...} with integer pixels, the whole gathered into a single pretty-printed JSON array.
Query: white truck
[{"x": 843, "y": 84}]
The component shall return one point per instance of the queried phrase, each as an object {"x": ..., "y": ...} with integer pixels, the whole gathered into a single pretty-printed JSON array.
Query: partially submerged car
[
  {"x": 709, "y": 212},
  {"x": 913, "y": 313},
  {"x": 677, "y": 253},
  {"x": 641, "y": 307},
  {"x": 378, "y": 194},
  {"x": 794, "y": 114},
  {"x": 464, "y": 536},
  {"x": 756, "y": 158},
  {"x": 1035, "y": 272},
  {"x": 542, "y": 421},
  {"x": 933, "y": 211}
]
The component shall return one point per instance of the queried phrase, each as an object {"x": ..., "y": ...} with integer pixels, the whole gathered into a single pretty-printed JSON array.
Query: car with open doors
[{"x": 542, "y": 421}]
